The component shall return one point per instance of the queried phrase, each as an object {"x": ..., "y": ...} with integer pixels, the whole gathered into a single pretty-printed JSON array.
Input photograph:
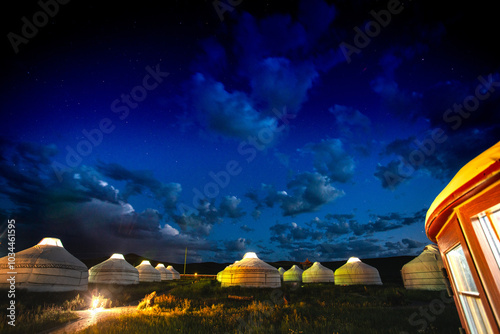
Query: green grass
[
  {"x": 202, "y": 306},
  {"x": 38, "y": 311}
]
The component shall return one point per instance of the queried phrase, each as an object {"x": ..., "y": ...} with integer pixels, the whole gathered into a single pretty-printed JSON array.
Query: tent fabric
[
  {"x": 424, "y": 271},
  {"x": 174, "y": 272},
  {"x": 47, "y": 266},
  {"x": 281, "y": 271},
  {"x": 473, "y": 168},
  {"x": 147, "y": 273},
  {"x": 250, "y": 272},
  {"x": 166, "y": 275},
  {"x": 221, "y": 273},
  {"x": 317, "y": 273},
  {"x": 293, "y": 274},
  {"x": 115, "y": 270},
  {"x": 356, "y": 272}
]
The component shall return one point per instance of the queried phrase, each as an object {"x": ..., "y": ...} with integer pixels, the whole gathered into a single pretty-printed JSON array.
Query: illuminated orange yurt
[
  {"x": 251, "y": 272},
  {"x": 46, "y": 266},
  {"x": 464, "y": 221}
]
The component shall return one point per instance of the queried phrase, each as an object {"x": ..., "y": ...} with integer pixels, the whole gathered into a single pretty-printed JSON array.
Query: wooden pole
[{"x": 185, "y": 258}]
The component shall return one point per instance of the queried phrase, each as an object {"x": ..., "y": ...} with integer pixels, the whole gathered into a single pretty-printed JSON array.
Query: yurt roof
[
  {"x": 317, "y": 273},
  {"x": 295, "y": 268},
  {"x": 316, "y": 266},
  {"x": 354, "y": 271},
  {"x": 47, "y": 266},
  {"x": 48, "y": 253},
  {"x": 294, "y": 273},
  {"x": 483, "y": 169},
  {"x": 249, "y": 262},
  {"x": 250, "y": 272},
  {"x": 424, "y": 271},
  {"x": 431, "y": 248},
  {"x": 356, "y": 265},
  {"x": 429, "y": 254},
  {"x": 115, "y": 270},
  {"x": 115, "y": 263},
  {"x": 147, "y": 273},
  {"x": 161, "y": 268},
  {"x": 117, "y": 256},
  {"x": 146, "y": 266},
  {"x": 51, "y": 242},
  {"x": 172, "y": 269}
]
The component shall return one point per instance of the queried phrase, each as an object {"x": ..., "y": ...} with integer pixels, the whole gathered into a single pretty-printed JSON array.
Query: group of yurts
[{"x": 48, "y": 266}]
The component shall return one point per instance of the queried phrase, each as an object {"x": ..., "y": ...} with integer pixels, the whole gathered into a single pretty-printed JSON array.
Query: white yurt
[
  {"x": 424, "y": 271},
  {"x": 317, "y": 273},
  {"x": 281, "y": 271},
  {"x": 166, "y": 275},
  {"x": 46, "y": 266},
  {"x": 293, "y": 274},
  {"x": 174, "y": 272},
  {"x": 115, "y": 270},
  {"x": 147, "y": 273},
  {"x": 221, "y": 273},
  {"x": 251, "y": 272},
  {"x": 356, "y": 272}
]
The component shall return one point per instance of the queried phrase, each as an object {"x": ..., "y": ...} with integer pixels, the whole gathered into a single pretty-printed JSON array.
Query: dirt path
[{"x": 88, "y": 318}]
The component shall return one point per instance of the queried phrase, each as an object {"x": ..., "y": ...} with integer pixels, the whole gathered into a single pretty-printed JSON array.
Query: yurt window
[
  {"x": 467, "y": 291},
  {"x": 490, "y": 226}
]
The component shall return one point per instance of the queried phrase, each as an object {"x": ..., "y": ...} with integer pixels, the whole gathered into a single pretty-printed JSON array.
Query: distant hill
[{"x": 389, "y": 267}]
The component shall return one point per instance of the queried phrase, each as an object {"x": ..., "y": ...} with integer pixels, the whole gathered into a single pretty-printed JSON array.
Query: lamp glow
[
  {"x": 51, "y": 242},
  {"x": 250, "y": 255}
]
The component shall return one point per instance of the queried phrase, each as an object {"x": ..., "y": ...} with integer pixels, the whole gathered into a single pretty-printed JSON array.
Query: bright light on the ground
[{"x": 97, "y": 303}]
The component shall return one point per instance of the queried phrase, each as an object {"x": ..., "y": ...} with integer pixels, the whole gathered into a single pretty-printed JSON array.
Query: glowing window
[
  {"x": 490, "y": 225},
  {"x": 467, "y": 292}
]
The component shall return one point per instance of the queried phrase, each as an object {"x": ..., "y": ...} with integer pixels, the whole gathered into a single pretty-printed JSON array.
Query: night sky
[{"x": 294, "y": 129}]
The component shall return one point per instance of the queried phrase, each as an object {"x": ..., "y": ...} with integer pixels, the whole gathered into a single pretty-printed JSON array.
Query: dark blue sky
[{"x": 295, "y": 129}]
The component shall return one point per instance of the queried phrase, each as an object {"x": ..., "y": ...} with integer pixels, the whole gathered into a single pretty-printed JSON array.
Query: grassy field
[
  {"x": 202, "y": 306},
  {"x": 39, "y": 311}
]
